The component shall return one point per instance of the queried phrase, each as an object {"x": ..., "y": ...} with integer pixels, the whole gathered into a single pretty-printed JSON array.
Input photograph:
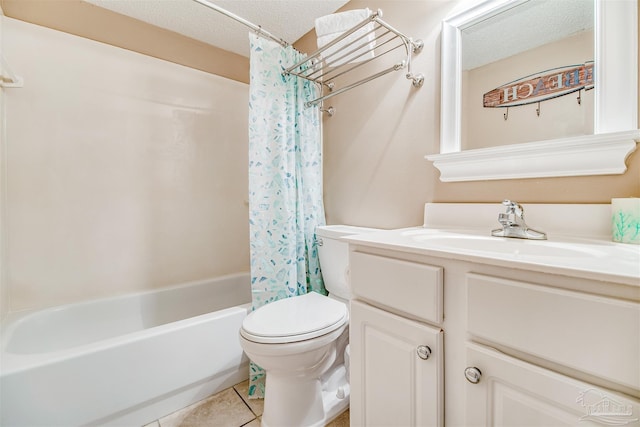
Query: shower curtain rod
[{"x": 257, "y": 28}]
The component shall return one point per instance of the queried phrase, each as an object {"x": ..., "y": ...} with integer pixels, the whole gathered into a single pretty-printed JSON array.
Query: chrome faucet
[{"x": 513, "y": 224}]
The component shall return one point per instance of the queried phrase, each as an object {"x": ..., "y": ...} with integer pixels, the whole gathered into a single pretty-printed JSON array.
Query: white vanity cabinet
[
  {"x": 397, "y": 363},
  {"x": 509, "y": 345}
]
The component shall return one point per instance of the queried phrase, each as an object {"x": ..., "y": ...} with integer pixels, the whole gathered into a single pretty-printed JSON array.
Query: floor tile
[
  {"x": 254, "y": 423},
  {"x": 256, "y": 405},
  {"x": 225, "y": 409},
  {"x": 341, "y": 421}
]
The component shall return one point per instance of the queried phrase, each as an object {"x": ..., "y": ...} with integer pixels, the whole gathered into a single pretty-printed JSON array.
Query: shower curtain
[{"x": 285, "y": 182}]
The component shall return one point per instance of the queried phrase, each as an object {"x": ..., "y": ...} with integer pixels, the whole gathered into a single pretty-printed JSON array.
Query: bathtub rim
[
  {"x": 13, "y": 318},
  {"x": 17, "y": 362}
]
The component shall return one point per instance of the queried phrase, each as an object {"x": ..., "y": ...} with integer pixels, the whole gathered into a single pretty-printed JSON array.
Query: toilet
[{"x": 302, "y": 342}]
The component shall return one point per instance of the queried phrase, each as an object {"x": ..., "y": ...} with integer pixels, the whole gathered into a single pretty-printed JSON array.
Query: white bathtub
[{"x": 126, "y": 360}]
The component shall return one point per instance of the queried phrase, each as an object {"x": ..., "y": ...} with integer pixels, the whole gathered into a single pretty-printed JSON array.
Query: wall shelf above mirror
[{"x": 590, "y": 131}]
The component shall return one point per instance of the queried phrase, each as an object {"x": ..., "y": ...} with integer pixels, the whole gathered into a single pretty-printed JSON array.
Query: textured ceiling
[
  {"x": 524, "y": 27},
  {"x": 289, "y": 20}
]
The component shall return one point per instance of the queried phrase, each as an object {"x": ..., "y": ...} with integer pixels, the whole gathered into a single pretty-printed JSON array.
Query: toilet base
[
  {"x": 305, "y": 402},
  {"x": 336, "y": 393}
]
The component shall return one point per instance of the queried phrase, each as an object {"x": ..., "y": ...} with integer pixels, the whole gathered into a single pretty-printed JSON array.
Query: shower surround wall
[
  {"x": 4, "y": 291},
  {"x": 123, "y": 172}
]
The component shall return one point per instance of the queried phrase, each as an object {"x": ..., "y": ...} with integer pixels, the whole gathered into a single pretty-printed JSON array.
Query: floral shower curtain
[{"x": 285, "y": 182}]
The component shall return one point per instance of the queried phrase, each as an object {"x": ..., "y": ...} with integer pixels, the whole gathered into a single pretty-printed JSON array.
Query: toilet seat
[{"x": 294, "y": 319}]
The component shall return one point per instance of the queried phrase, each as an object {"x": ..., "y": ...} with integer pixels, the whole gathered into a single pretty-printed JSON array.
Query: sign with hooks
[{"x": 541, "y": 86}]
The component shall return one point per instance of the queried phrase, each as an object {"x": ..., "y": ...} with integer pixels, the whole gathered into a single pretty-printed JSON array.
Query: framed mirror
[{"x": 529, "y": 116}]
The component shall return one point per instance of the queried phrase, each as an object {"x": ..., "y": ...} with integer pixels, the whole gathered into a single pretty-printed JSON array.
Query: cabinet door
[
  {"x": 512, "y": 392},
  {"x": 392, "y": 384}
]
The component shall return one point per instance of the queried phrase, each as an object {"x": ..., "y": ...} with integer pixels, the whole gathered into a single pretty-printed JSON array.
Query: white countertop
[{"x": 589, "y": 258}]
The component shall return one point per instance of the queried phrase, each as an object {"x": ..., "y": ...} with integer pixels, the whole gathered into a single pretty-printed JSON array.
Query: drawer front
[
  {"x": 403, "y": 286},
  {"x": 593, "y": 334}
]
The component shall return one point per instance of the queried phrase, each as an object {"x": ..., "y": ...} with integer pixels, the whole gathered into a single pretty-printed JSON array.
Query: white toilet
[{"x": 302, "y": 343}]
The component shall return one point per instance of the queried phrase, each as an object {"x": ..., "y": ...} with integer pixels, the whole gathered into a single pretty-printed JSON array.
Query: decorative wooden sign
[{"x": 541, "y": 86}]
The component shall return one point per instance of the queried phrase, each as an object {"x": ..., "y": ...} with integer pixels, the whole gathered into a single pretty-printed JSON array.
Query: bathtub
[{"x": 125, "y": 360}]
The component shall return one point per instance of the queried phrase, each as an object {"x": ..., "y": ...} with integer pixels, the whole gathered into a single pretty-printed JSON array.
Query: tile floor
[{"x": 228, "y": 408}]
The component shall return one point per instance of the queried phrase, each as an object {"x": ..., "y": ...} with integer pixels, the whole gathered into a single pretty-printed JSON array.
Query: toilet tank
[{"x": 334, "y": 257}]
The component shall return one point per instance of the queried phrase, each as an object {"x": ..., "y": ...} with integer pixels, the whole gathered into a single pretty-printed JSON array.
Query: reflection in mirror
[{"x": 527, "y": 74}]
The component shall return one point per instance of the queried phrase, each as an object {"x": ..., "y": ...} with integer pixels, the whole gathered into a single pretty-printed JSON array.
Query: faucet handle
[{"x": 513, "y": 207}]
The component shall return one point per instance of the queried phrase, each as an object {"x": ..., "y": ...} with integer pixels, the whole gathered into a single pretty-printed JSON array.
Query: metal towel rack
[{"x": 326, "y": 69}]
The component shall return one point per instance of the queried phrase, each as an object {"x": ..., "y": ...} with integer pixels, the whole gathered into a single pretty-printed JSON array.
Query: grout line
[{"x": 243, "y": 401}]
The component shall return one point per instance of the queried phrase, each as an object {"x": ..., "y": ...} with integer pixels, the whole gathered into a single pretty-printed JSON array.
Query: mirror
[
  {"x": 522, "y": 82},
  {"x": 566, "y": 138}
]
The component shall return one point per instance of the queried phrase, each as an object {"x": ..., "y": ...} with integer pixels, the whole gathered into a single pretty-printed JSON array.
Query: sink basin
[
  {"x": 507, "y": 246},
  {"x": 473, "y": 243}
]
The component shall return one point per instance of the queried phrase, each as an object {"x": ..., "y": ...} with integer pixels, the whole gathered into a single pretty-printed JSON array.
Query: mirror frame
[{"x": 616, "y": 106}]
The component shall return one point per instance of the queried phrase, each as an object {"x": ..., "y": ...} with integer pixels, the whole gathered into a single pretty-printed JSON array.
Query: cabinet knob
[
  {"x": 423, "y": 352},
  {"x": 472, "y": 374}
]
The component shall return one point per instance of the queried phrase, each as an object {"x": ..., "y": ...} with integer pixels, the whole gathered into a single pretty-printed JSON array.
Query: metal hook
[
  {"x": 580, "y": 97},
  {"x": 538, "y": 110},
  {"x": 506, "y": 115},
  {"x": 330, "y": 111}
]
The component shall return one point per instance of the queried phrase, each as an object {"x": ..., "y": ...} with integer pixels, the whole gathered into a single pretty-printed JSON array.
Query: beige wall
[
  {"x": 124, "y": 172},
  {"x": 375, "y": 173}
]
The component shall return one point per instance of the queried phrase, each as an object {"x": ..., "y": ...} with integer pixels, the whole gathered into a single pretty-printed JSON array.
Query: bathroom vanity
[{"x": 451, "y": 326}]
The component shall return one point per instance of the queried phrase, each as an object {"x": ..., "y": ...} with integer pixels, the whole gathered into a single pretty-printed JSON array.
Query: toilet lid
[{"x": 294, "y": 319}]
